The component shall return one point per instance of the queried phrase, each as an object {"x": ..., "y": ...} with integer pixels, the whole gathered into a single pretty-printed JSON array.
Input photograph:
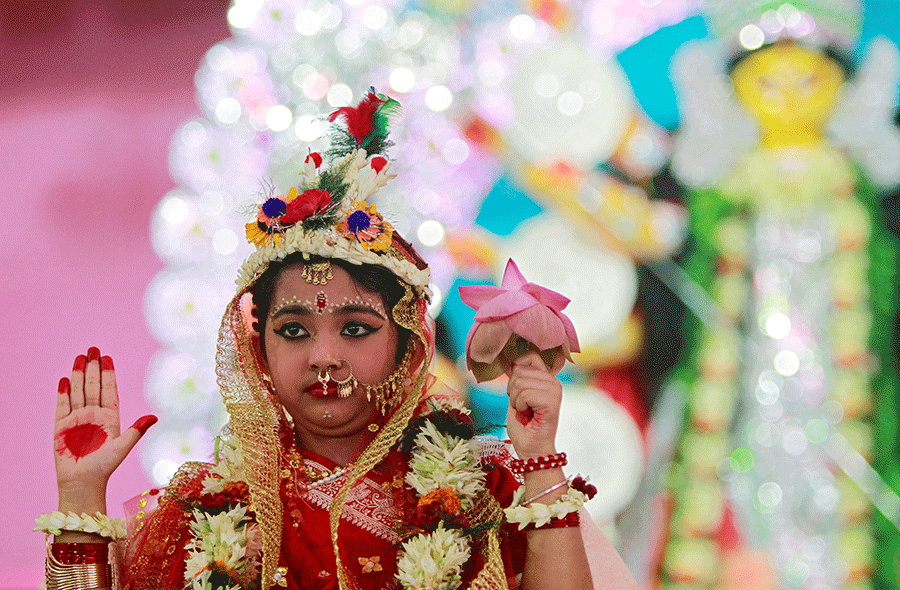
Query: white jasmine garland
[
  {"x": 440, "y": 461},
  {"x": 55, "y": 523},
  {"x": 229, "y": 466},
  {"x": 540, "y": 514},
  {"x": 328, "y": 244},
  {"x": 433, "y": 560},
  {"x": 219, "y": 540}
]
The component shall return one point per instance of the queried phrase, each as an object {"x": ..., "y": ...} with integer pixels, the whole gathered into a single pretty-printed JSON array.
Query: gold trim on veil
[{"x": 254, "y": 414}]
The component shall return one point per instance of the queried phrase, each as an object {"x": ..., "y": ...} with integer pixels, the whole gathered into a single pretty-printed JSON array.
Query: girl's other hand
[
  {"x": 535, "y": 395},
  {"x": 88, "y": 444}
]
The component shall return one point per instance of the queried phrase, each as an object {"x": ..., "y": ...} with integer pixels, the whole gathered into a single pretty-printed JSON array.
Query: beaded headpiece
[
  {"x": 749, "y": 24},
  {"x": 327, "y": 215}
]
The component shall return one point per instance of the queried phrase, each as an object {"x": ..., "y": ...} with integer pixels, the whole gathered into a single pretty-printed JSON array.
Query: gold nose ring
[{"x": 345, "y": 387}]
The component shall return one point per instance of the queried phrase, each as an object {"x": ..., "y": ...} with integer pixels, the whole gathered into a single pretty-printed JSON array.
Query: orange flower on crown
[
  {"x": 365, "y": 225},
  {"x": 268, "y": 222}
]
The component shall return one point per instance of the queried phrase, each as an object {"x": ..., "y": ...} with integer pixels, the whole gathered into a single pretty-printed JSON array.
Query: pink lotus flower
[{"x": 512, "y": 319}]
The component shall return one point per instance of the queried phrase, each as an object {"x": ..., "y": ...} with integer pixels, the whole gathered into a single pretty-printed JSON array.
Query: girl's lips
[{"x": 317, "y": 390}]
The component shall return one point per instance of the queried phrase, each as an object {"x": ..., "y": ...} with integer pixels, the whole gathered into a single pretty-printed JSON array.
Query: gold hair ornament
[{"x": 318, "y": 273}]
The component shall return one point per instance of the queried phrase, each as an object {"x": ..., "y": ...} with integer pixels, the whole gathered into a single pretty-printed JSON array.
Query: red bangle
[
  {"x": 569, "y": 520},
  {"x": 80, "y": 553},
  {"x": 534, "y": 464}
]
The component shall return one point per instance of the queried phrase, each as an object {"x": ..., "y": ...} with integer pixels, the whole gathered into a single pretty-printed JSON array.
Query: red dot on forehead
[{"x": 321, "y": 301}]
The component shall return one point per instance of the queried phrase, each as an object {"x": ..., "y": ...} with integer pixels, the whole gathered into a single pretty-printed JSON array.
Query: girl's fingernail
[
  {"x": 80, "y": 362},
  {"x": 64, "y": 386},
  {"x": 142, "y": 424},
  {"x": 106, "y": 363},
  {"x": 93, "y": 354}
]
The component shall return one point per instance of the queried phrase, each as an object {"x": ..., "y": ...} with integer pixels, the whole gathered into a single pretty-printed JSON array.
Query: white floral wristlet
[
  {"x": 540, "y": 514},
  {"x": 55, "y": 523}
]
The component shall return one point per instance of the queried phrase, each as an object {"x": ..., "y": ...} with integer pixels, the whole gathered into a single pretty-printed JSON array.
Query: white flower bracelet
[
  {"x": 540, "y": 514},
  {"x": 55, "y": 523}
]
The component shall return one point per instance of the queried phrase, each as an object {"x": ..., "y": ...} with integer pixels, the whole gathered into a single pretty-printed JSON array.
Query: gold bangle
[{"x": 77, "y": 576}]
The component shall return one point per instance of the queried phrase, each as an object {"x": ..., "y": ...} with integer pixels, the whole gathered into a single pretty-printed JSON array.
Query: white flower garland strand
[
  {"x": 55, "y": 523},
  {"x": 434, "y": 560},
  {"x": 229, "y": 466},
  {"x": 219, "y": 540},
  {"x": 444, "y": 462},
  {"x": 540, "y": 514}
]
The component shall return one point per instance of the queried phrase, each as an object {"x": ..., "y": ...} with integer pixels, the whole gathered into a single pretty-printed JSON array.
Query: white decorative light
[
  {"x": 278, "y": 118},
  {"x": 522, "y": 27},
  {"x": 752, "y": 37},
  {"x": 402, "y": 79},
  {"x": 308, "y": 128},
  {"x": 438, "y": 98},
  {"x": 340, "y": 95},
  {"x": 228, "y": 111},
  {"x": 308, "y": 23},
  {"x": 431, "y": 232}
]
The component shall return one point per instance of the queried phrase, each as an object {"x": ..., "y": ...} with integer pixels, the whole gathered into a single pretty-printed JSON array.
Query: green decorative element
[{"x": 742, "y": 460}]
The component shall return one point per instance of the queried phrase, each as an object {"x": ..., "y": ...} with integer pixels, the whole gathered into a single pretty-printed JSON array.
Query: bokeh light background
[{"x": 99, "y": 103}]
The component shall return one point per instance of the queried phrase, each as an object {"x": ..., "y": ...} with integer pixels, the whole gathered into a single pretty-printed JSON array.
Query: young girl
[{"x": 345, "y": 465}]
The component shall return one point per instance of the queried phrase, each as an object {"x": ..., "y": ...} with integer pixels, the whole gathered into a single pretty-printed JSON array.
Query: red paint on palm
[{"x": 80, "y": 440}]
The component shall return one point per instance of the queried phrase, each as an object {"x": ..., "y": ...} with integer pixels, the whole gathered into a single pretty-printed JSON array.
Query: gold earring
[{"x": 388, "y": 393}]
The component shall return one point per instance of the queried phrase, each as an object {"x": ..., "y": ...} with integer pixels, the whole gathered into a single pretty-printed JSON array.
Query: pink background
[{"x": 90, "y": 94}]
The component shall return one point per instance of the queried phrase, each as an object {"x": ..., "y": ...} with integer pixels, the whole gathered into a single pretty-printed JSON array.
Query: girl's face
[{"x": 338, "y": 326}]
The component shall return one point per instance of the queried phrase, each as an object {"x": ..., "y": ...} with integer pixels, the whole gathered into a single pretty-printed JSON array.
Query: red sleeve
[
  {"x": 155, "y": 553},
  {"x": 503, "y": 484}
]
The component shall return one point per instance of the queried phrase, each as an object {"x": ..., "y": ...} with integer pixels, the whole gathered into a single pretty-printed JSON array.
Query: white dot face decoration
[{"x": 568, "y": 106}]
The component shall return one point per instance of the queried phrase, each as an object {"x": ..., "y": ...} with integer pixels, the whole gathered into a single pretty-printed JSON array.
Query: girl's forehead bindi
[{"x": 322, "y": 302}]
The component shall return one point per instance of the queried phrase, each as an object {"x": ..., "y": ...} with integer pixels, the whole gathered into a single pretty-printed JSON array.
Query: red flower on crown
[{"x": 309, "y": 202}]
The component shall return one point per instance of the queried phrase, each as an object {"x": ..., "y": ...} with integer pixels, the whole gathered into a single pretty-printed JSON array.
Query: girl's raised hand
[
  {"x": 88, "y": 444},
  {"x": 535, "y": 395}
]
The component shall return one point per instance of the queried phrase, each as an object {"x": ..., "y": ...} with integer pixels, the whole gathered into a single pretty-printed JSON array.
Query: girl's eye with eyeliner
[
  {"x": 291, "y": 331},
  {"x": 358, "y": 329}
]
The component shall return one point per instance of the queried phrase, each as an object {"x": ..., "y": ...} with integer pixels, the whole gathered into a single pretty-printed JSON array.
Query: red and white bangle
[
  {"x": 571, "y": 519},
  {"x": 540, "y": 514},
  {"x": 537, "y": 463},
  {"x": 78, "y": 553}
]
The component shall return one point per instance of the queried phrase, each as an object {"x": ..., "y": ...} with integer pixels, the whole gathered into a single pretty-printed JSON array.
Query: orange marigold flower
[
  {"x": 445, "y": 497},
  {"x": 255, "y": 235},
  {"x": 366, "y": 226}
]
